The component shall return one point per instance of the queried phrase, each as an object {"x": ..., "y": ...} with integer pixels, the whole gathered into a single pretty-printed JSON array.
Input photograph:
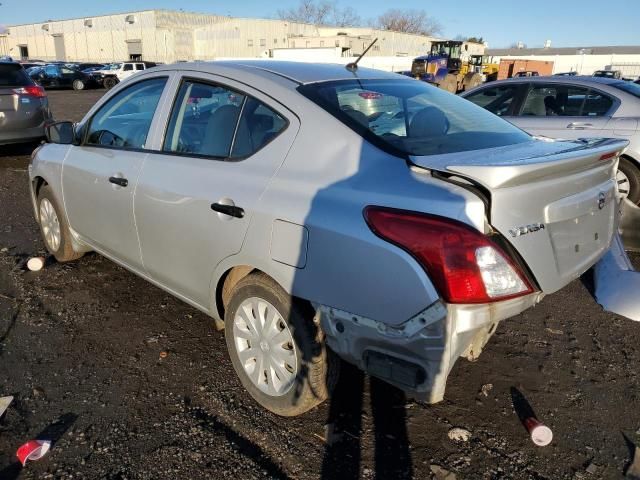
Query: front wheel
[
  {"x": 54, "y": 228},
  {"x": 110, "y": 82},
  {"x": 78, "y": 85},
  {"x": 276, "y": 348}
]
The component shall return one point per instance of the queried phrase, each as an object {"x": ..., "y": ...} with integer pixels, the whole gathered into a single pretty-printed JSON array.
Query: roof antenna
[{"x": 353, "y": 66}]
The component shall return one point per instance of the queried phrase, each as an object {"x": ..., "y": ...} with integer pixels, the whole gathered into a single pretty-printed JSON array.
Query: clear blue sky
[{"x": 565, "y": 22}]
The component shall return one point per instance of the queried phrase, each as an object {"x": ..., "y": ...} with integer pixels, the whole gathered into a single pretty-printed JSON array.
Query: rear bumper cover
[
  {"x": 418, "y": 356},
  {"x": 23, "y": 135}
]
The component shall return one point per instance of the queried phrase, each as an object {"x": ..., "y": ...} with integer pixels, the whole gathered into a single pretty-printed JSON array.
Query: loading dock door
[
  {"x": 134, "y": 48},
  {"x": 58, "y": 45}
]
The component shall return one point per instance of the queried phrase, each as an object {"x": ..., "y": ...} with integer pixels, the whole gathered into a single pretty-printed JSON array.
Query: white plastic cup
[
  {"x": 541, "y": 435},
  {"x": 35, "y": 264}
]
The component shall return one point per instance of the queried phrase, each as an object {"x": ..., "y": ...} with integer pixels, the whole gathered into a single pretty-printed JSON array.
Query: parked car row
[{"x": 314, "y": 207}]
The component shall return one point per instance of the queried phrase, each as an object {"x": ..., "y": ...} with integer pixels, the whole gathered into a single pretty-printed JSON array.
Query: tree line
[{"x": 329, "y": 13}]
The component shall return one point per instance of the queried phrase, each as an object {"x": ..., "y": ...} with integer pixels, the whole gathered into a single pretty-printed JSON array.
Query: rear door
[
  {"x": 564, "y": 111},
  {"x": 99, "y": 177},
  {"x": 194, "y": 201}
]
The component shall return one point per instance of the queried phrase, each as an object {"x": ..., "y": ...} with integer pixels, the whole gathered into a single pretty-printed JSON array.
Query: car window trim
[
  {"x": 228, "y": 158},
  {"x": 87, "y": 125}
]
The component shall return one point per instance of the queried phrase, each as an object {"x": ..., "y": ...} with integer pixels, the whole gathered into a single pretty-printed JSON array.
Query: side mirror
[{"x": 62, "y": 133}]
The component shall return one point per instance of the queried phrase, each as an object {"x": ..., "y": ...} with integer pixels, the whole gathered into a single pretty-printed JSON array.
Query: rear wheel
[
  {"x": 450, "y": 83},
  {"x": 471, "y": 80},
  {"x": 276, "y": 348},
  {"x": 54, "y": 228},
  {"x": 78, "y": 84},
  {"x": 628, "y": 178}
]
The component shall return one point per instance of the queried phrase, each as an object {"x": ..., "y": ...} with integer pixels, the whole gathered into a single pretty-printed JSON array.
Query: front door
[
  {"x": 99, "y": 176},
  {"x": 194, "y": 202},
  {"x": 564, "y": 111}
]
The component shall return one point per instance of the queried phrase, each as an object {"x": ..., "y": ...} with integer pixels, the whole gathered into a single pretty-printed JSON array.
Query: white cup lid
[{"x": 541, "y": 435}]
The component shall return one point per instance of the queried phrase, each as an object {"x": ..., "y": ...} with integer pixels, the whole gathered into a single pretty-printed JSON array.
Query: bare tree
[
  {"x": 346, "y": 17},
  {"x": 409, "y": 21},
  {"x": 321, "y": 12}
]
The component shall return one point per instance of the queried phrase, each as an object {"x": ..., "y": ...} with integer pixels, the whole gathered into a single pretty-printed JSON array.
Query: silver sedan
[{"x": 259, "y": 193}]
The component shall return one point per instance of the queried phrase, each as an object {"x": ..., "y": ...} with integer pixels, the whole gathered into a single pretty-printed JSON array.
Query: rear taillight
[
  {"x": 464, "y": 265},
  {"x": 32, "y": 91}
]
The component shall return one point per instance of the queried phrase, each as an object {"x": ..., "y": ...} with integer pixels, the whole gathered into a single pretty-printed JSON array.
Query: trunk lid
[{"x": 554, "y": 202}]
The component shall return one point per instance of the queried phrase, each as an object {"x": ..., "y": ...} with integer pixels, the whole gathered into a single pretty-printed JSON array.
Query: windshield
[
  {"x": 409, "y": 117},
  {"x": 114, "y": 66},
  {"x": 632, "y": 88}
]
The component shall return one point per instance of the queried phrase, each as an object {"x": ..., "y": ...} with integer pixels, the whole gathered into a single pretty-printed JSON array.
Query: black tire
[
  {"x": 317, "y": 366},
  {"x": 110, "y": 82},
  {"x": 632, "y": 172},
  {"x": 64, "y": 252},
  {"x": 78, "y": 85}
]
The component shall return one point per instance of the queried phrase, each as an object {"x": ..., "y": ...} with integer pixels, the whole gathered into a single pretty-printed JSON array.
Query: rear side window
[
  {"x": 214, "y": 121},
  {"x": 565, "y": 100},
  {"x": 496, "y": 99},
  {"x": 124, "y": 121},
  {"x": 409, "y": 117},
  {"x": 12, "y": 75}
]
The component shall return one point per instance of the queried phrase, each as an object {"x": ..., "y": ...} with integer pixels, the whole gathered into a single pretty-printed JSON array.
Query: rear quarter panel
[{"x": 330, "y": 175}]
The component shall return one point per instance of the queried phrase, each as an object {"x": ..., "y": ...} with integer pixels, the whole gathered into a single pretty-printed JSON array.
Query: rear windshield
[
  {"x": 12, "y": 75},
  {"x": 632, "y": 88},
  {"x": 410, "y": 117}
]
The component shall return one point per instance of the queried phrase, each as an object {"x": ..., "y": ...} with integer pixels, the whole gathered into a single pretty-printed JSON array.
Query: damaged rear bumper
[{"x": 418, "y": 355}]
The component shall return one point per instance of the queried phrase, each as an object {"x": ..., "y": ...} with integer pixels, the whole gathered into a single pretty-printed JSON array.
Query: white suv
[{"x": 117, "y": 72}]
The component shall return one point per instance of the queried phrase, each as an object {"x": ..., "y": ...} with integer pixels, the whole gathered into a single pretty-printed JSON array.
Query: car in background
[
  {"x": 608, "y": 74},
  {"x": 24, "y": 107},
  {"x": 61, "y": 76},
  {"x": 117, "y": 72},
  {"x": 252, "y": 191},
  {"x": 572, "y": 108}
]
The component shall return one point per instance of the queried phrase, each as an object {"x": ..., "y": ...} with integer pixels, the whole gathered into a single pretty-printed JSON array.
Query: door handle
[
  {"x": 122, "y": 182},
  {"x": 230, "y": 210},
  {"x": 579, "y": 126}
]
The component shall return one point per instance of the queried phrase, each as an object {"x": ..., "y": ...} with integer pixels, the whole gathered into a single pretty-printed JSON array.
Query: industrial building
[
  {"x": 169, "y": 36},
  {"x": 582, "y": 60}
]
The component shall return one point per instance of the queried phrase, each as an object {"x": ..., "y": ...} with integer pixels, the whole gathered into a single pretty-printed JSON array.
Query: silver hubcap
[
  {"x": 623, "y": 184},
  {"x": 50, "y": 225},
  {"x": 265, "y": 346}
]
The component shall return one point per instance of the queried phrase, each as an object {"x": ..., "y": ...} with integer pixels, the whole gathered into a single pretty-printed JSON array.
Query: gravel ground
[{"x": 130, "y": 383}]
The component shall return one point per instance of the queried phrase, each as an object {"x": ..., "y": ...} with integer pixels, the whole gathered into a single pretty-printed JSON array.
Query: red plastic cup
[
  {"x": 33, "y": 450},
  {"x": 541, "y": 435}
]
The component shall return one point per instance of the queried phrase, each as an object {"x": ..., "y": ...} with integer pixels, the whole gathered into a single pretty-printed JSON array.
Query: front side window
[
  {"x": 128, "y": 67},
  {"x": 214, "y": 121},
  {"x": 125, "y": 119},
  {"x": 51, "y": 71},
  {"x": 496, "y": 99},
  {"x": 412, "y": 118},
  {"x": 556, "y": 100}
]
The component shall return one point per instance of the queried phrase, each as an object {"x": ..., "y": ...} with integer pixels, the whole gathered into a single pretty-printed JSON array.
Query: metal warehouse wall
[
  {"x": 87, "y": 39},
  {"x": 169, "y": 36},
  {"x": 246, "y": 37}
]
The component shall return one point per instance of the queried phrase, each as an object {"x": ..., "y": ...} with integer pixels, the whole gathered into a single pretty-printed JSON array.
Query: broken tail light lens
[{"x": 464, "y": 265}]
